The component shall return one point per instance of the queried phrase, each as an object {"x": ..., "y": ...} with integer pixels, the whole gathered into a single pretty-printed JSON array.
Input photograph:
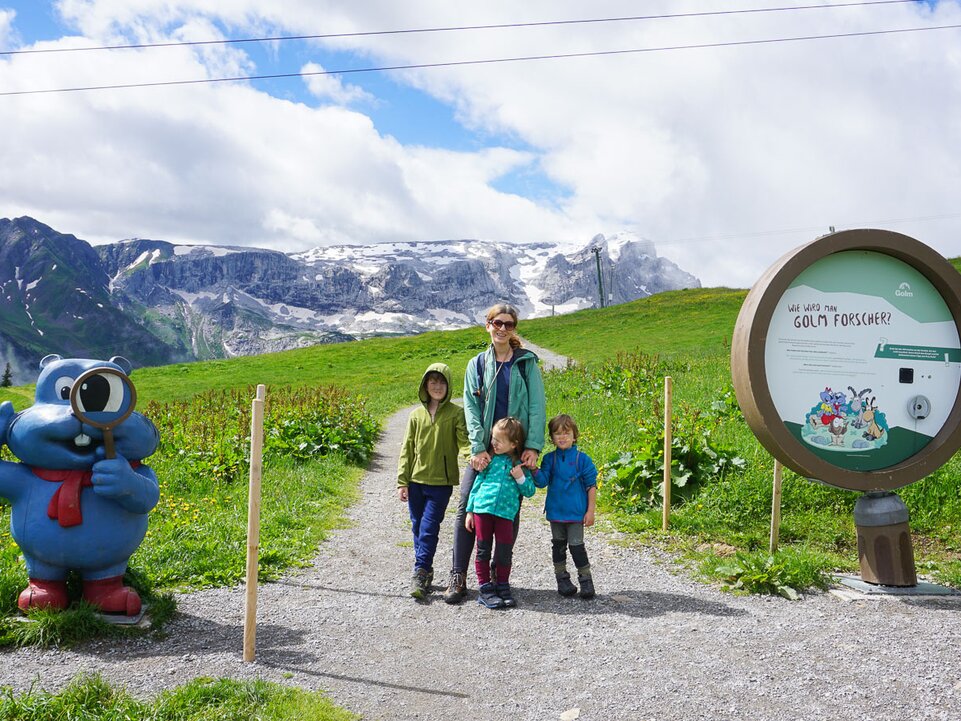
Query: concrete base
[
  {"x": 139, "y": 621},
  {"x": 120, "y": 620},
  {"x": 871, "y": 589}
]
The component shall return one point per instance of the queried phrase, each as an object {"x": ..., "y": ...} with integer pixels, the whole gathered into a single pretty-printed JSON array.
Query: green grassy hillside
[
  {"x": 691, "y": 322},
  {"x": 616, "y": 394}
]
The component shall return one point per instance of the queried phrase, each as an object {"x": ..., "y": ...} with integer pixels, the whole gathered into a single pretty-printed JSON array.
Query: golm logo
[{"x": 904, "y": 291}]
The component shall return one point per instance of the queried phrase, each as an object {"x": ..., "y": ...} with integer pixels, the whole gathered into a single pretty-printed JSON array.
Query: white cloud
[
  {"x": 725, "y": 157},
  {"x": 330, "y": 87},
  {"x": 6, "y": 28}
]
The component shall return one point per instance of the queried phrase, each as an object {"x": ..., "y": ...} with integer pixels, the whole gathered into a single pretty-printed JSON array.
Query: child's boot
[
  {"x": 505, "y": 595},
  {"x": 564, "y": 585},
  {"x": 419, "y": 584},
  {"x": 487, "y": 596},
  {"x": 579, "y": 554},
  {"x": 586, "y": 582}
]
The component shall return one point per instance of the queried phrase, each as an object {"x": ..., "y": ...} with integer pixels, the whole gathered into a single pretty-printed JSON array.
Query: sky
[{"x": 727, "y": 156}]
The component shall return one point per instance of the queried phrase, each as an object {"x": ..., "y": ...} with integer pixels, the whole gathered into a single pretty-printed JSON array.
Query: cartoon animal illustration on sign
[
  {"x": 858, "y": 404},
  {"x": 74, "y": 508},
  {"x": 824, "y": 413},
  {"x": 839, "y": 423},
  {"x": 837, "y": 429},
  {"x": 874, "y": 431}
]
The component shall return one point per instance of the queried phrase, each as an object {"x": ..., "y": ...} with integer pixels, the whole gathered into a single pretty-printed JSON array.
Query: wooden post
[
  {"x": 775, "y": 508},
  {"x": 253, "y": 521},
  {"x": 667, "y": 452}
]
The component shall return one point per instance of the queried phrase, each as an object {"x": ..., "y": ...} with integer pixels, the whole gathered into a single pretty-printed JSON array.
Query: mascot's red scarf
[{"x": 65, "y": 504}]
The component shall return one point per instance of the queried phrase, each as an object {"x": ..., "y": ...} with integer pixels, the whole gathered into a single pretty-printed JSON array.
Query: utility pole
[{"x": 596, "y": 250}]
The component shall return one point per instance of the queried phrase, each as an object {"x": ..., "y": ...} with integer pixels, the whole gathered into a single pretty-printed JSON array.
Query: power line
[
  {"x": 489, "y": 61},
  {"x": 500, "y": 26},
  {"x": 809, "y": 229}
]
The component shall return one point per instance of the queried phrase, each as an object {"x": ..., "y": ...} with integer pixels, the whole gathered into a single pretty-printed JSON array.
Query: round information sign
[{"x": 846, "y": 360}]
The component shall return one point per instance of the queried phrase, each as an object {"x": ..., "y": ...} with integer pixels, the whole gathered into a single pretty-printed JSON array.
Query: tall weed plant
[{"x": 631, "y": 385}]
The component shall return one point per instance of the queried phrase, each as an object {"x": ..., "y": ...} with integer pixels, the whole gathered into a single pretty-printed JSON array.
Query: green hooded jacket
[
  {"x": 429, "y": 452},
  {"x": 525, "y": 399}
]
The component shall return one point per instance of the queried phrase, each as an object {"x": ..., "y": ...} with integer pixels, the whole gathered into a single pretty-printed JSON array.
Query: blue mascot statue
[{"x": 73, "y": 507}]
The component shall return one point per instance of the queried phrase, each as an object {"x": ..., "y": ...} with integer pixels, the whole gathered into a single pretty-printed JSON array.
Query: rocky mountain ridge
[{"x": 157, "y": 302}]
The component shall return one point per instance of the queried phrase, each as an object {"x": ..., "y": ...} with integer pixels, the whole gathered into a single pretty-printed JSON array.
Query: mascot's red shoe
[
  {"x": 111, "y": 596},
  {"x": 43, "y": 594}
]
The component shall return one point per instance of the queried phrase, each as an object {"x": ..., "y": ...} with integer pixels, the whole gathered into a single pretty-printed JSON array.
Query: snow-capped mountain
[{"x": 201, "y": 301}]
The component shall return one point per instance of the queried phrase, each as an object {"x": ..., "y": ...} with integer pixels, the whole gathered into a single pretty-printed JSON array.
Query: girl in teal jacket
[{"x": 493, "y": 502}]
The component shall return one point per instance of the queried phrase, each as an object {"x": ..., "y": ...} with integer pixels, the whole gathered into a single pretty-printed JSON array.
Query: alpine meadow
[{"x": 324, "y": 404}]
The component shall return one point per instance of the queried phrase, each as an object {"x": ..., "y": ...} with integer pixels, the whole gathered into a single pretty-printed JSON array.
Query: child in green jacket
[
  {"x": 493, "y": 502},
  {"x": 427, "y": 469}
]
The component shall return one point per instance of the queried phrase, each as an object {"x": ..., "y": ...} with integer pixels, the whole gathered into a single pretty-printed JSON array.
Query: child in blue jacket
[{"x": 571, "y": 481}]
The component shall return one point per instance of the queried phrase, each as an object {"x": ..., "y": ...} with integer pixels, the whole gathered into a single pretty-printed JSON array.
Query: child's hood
[{"x": 441, "y": 368}]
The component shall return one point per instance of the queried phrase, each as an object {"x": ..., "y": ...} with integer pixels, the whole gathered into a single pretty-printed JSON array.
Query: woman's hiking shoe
[
  {"x": 504, "y": 592},
  {"x": 456, "y": 587},
  {"x": 487, "y": 596},
  {"x": 587, "y": 586},
  {"x": 565, "y": 586},
  {"x": 419, "y": 584}
]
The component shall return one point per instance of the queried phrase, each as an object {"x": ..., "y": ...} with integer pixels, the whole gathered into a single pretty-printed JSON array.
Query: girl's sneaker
[
  {"x": 487, "y": 596},
  {"x": 504, "y": 592}
]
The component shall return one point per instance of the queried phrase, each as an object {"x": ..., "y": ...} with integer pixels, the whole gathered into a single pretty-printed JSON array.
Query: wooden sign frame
[{"x": 749, "y": 372}]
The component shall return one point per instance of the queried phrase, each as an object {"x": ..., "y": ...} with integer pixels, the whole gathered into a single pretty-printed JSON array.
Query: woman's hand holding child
[{"x": 480, "y": 461}]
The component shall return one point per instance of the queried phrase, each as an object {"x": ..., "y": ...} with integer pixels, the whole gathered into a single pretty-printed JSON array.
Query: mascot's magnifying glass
[{"x": 103, "y": 397}]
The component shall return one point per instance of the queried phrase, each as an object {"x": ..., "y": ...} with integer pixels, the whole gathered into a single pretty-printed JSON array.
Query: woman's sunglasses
[{"x": 503, "y": 324}]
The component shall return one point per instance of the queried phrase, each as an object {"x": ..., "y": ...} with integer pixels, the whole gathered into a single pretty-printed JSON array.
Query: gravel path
[{"x": 652, "y": 645}]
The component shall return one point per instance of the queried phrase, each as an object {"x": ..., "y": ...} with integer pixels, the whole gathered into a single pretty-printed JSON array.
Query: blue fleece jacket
[{"x": 567, "y": 475}]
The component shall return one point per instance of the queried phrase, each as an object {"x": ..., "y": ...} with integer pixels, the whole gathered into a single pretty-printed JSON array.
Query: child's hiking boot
[
  {"x": 587, "y": 586},
  {"x": 487, "y": 596},
  {"x": 565, "y": 586},
  {"x": 505, "y": 595},
  {"x": 419, "y": 585},
  {"x": 456, "y": 587}
]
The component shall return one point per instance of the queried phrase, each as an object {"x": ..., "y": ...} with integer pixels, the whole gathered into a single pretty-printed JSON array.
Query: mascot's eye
[
  {"x": 103, "y": 392},
  {"x": 62, "y": 387}
]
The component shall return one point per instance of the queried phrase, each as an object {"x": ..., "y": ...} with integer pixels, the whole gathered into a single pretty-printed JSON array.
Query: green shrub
[
  {"x": 783, "y": 574},
  {"x": 633, "y": 478}
]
